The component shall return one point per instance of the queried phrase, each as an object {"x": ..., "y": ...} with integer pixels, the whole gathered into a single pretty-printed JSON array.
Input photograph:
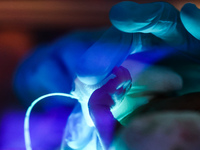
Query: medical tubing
[{"x": 28, "y": 112}]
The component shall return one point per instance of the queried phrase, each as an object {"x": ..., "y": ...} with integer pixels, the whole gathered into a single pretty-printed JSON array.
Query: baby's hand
[
  {"x": 114, "y": 90},
  {"x": 102, "y": 99}
]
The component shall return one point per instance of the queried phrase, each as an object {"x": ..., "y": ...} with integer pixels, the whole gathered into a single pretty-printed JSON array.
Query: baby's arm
[{"x": 103, "y": 99}]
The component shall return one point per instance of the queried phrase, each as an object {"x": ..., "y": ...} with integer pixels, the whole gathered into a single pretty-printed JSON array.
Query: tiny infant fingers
[
  {"x": 100, "y": 97},
  {"x": 122, "y": 79},
  {"x": 122, "y": 73},
  {"x": 113, "y": 90},
  {"x": 123, "y": 76}
]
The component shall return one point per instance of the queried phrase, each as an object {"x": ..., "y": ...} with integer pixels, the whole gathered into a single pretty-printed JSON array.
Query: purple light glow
[{"x": 46, "y": 129}]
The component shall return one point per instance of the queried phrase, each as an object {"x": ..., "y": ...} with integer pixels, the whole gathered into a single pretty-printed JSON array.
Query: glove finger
[
  {"x": 99, "y": 60},
  {"x": 190, "y": 16},
  {"x": 158, "y": 18}
]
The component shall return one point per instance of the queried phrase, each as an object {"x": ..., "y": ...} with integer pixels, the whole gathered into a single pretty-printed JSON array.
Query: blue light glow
[{"x": 28, "y": 112}]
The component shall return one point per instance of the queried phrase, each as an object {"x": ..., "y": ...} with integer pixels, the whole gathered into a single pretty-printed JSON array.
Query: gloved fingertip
[
  {"x": 190, "y": 17},
  {"x": 131, "y": 17},
  {"x": 120, "y": 15}
]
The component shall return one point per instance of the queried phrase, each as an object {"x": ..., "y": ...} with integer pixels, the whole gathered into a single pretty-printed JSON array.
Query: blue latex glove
[
  {"x": 145, "y": 27},
  {"x": 191, "y": 20},
  {"x": 51, "y": 67},
  {"x": 91, "y": 56}
]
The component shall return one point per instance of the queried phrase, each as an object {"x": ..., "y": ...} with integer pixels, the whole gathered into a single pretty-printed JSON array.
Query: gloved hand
[
  {"x": 138, "y": 28},
  {"x": 50, "y": 68},
  {"x": 92, "y": 55}
]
